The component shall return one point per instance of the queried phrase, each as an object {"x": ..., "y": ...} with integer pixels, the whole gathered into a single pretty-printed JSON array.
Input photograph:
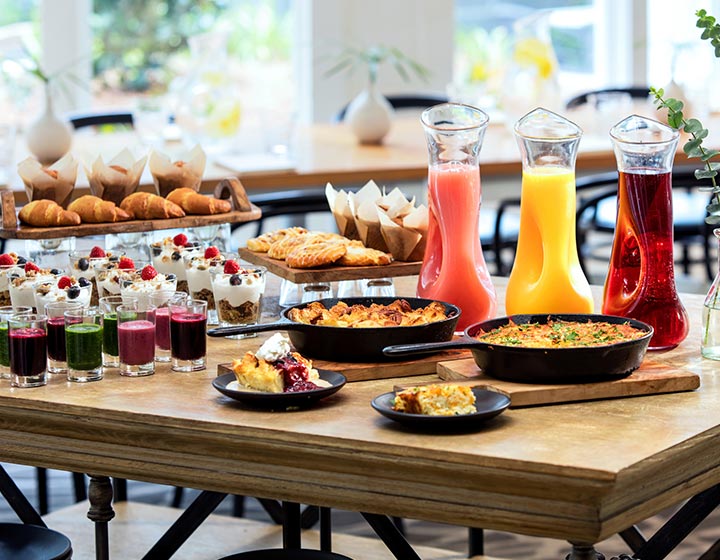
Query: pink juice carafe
[
  {"x": 641, "y": 278},
  {"x": 453, "y": 268}
]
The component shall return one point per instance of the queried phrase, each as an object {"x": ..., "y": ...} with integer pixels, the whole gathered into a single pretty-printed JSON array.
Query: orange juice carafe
[
  {"x": 546, "y": 276},
  {"x": 453, "y": 267}
]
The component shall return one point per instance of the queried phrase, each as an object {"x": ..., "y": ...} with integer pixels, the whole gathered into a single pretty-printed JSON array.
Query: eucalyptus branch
[{"x": 693, "y": 148}]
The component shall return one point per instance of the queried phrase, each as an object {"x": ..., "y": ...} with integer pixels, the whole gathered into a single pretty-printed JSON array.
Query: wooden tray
[
  {"x": 243, "y": 211},
  {"x": 330, "y": 273},
  {"x": 385, "y": 370},
  {"x": 653, "y": 377}
]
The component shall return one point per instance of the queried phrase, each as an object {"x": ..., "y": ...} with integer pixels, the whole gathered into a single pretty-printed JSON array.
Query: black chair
[
  {"x": 115, "y": 118},
  {"x": 636, "y": 92},
  {"x": 419, "y": 101},
  {"x": 31, "y": 540}
]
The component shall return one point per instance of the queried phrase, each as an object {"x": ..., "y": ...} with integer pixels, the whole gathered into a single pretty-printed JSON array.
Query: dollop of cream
[{"x": 274, "y": 348}]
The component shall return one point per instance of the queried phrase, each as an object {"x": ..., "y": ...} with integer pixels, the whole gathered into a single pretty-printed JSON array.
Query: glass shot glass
[
  {"x": 161, "y": 301},
  {"x": 238, "y": 296},
  {"x": 108, "y": 306},
  {"x": 311, "y": 292},
  {"x": 7, "y": 311},
  {"x": 136, "y": 339},
  {"x": 379, "y": 287},
  {"x": 188, "y": 341},
  {"x": 83, "y": 344},
  {"x": 28, "y": 350},
  {"x": 56, "y": 351}
]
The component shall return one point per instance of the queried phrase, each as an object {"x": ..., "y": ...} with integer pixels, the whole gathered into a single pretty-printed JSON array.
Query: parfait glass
[
  {"x": 641, "y": 279},
  {"x": 546, "y": 276},
  {"x": 453, "y": 267}
]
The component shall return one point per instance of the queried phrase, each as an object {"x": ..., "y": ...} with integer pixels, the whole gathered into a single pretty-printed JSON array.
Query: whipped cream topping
[{"x": 274, "y": 348}]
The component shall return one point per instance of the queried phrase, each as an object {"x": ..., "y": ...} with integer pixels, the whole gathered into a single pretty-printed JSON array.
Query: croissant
[
  {"x": 193, "y": 202},
  {"x": 44, "y": 213},
  {"x": 94, "y": 210},
  {"x": 148, "y": 206}
]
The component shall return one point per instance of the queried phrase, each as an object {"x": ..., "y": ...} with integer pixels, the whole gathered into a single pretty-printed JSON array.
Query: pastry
[
  {"x": 282, "y": 248},
  {"x": 170, "y": 175},
  {"x": 94, "y": 210},
  {"x": 359, "y": 255},
  {"x": 262, "y": 243},
  {"x": 46, "y": 213},
  {"x": 195, "y": 203},
  {"x": 399, "y": 313},
  {"x": 148, "y": 206},
  {"x": 316, "y": 253},
  {"x": 118, "y": 178}
]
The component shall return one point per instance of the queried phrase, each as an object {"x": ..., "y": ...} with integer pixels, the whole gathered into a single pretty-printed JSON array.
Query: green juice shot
[{"x": 84, "y": 344}]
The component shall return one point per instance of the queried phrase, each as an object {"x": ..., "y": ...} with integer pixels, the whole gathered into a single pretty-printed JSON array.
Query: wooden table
[
  {"x": 329, "y": 152},
  {"x": 579, "y": 472}
]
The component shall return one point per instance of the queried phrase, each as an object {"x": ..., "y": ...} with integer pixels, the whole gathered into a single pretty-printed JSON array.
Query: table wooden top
[
  {"x": 330, "y": 152},
  {"x": 579, "y": 471}
]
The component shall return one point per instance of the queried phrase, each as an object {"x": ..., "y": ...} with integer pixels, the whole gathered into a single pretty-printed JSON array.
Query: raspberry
[
  {"x": 210, "y": 252},
  {"x": 30, "y": 266},
  {"x": 64, "y": 282},
  {"x": 97, "y": 253},
  {"x": 126, "y": 262},
  {"x": 231, "y": 267},
  {"x": 180, "y": 240},
  {"x": 148, "y": 273},
  {"x": 6, "y": 260}
]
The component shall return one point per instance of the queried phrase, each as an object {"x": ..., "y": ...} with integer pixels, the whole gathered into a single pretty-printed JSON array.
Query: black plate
[
  {"x": 280, "y": 400},
  {"x": 488, "y": 404}
]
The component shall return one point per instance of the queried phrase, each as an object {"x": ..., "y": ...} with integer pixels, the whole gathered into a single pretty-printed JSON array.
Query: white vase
[
  {"x": 48, "y": 138},
  {"x": 369, "y": 116}
]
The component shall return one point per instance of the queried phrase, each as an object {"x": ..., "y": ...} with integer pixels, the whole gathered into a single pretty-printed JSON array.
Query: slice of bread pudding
[{"x": 436, "y": 400}]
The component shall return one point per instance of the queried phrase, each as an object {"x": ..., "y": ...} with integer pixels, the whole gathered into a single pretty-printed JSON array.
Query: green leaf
[
  {"x": 675, "y": 120},
  {"x": 674, "y": 105},
  {"x": 709, "y": 154},
  {"x": 713, "y": 208},
  {"x": 715, "y": 166},
  {"x": 713, "y": 220},
  {"x": 693, "y": 126},
  {"x": 705, "y": 173}
]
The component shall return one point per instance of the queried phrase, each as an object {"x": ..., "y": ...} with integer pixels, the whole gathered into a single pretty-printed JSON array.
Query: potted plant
[
  {"x": 369, "y": 114},
  {"x": 693, "y": 148}
]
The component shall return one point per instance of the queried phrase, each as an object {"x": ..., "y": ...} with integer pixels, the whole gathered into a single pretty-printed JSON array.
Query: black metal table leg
[
  {"x": 79, "y": 487},
  {"x": 476, "y": 542},
  {"x": 17, "y": 500},
  {"x": 120, "y": 489},
  {"x": 584, "y": 551},
  {"x": 291, "y": 525},
  {"x": 100, "y": 494},
  {"x": 391, "y": 536},
  {"x": 325, "y": 529},
  {"x": 42, "y": 489},
  {"x": 186, "y": 524}
]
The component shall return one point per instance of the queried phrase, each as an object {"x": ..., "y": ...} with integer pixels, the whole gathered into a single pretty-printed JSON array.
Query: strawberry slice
[
  {"x": 211, "y": 252},
  {"x": 31, "y": 266},
  {"x": 231, "y": 267},
  {"x": 64, "y": 282},
  {"x": 97, "y": 253},
  {"x": 180, "y": 240},
  {"x": 6, "y": 260},
  {"x": 126, "y": 263},
  {"x": 148, "y": 273}
]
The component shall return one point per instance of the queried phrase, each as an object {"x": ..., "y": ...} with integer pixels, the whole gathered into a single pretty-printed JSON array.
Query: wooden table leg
[
  {"x": 584, "y": 551},
  {"x": 100, "y": 495}
]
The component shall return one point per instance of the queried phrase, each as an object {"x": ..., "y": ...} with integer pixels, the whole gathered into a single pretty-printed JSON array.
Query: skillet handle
[
  {"x": 428, "y": 347},
  {"x": 245, "y": 329}
]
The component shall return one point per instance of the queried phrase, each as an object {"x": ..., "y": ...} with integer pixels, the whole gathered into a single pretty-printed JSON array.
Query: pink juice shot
[
  {"x": 187, "y": 336},
  {"x": 56, "y": 339},
  {"x": 162, "y": 328},
  {"x": 453, "y": 268},
  {"x": 136, "y": 342},
  {"x": 28, "y": 351}
]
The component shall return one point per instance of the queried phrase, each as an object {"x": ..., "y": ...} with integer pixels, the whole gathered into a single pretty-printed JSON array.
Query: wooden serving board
[
  {"x": 243, "y": 211},
  {"x": 330, "y": 273},
  {"x": 653, "y": 377},
  {"x": 376, "y": 370}
]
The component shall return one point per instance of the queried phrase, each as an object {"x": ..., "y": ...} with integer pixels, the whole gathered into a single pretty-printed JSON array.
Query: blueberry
[
  {"x": 176, "y": 256},
  {"x": 73, "y": 292},
  {"x": 170, "y": 277},
  {"x": 83, "y": 264},
  {"x": 84, "y": 282},
  {"x": 55, "y": 271},
  {"x": 235, "y": 280},
  {"x": 14, "y": 275},
  {"x": 114, "y": 258},
  {"x": 21, "y": 260}
]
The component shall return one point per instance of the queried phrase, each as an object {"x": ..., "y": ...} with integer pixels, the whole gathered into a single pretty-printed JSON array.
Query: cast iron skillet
[
  {"x": 545, "y": 365},
  {"x": 341, "y": 344}
]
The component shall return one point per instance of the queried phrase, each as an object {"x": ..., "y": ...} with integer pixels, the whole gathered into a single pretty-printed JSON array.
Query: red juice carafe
[
  {"x": 453, "y": 267},
  {"x": 641, "y": 278}
]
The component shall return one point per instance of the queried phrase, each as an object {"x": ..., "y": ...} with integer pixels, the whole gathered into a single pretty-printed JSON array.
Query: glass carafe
[
  {"x": 641, "y": 278},
  {"x": 546, "y": 276},
  {"x": 710, "y": 342},
  {"x": 453, "y": 268}
]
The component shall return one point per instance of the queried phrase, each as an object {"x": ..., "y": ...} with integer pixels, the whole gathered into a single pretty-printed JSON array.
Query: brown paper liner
[
  {"x": 371, "y": 235},
  {"x": 346, "y": 225},
  {"x": 404, "y": 244}
]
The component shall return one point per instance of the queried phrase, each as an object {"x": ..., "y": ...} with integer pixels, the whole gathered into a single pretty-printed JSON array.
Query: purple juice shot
[
  {"x": 56, "y": 339},
  {"x": 28, "y": 351},
  {"x": 136, "y": 341},
  {"x": 187, "y": 335},
  {"x": 162, "y": 328}
]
